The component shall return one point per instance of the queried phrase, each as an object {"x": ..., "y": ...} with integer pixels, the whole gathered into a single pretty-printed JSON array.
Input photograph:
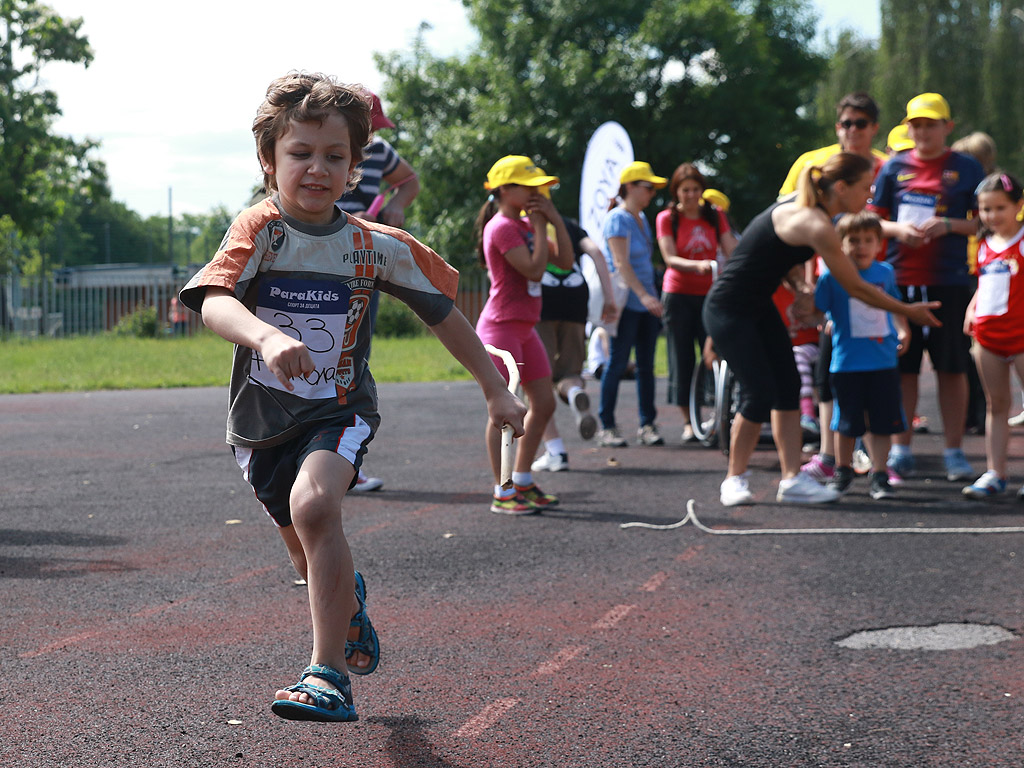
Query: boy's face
[
  {"x": 929, "y": 136},
  {"x": 311, "y": 165},
  {"x": 862, "y": 246},
  {"x": 855, "y": 131}
]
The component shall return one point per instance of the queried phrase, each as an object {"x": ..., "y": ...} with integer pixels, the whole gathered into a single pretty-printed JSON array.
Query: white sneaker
[
  {"x": 735, "y": 490},
  {"x": 365, "y": 484},
  {"x": 804, "y": 489},
  {"x": 551, "y": 462}
]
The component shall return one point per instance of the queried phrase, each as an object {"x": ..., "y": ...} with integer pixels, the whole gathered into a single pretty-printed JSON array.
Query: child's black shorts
[
  {"x": 877, "y": 393},
  {"x": 272, "y": 471}
]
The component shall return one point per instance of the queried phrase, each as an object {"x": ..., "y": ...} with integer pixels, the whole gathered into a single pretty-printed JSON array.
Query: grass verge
[{"x": 90, "y": 363}]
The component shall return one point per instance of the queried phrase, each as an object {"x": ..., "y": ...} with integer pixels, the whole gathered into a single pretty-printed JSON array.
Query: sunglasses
[
  {"x": 644, "y": 185},
  {"x": 860, "y": 123}
]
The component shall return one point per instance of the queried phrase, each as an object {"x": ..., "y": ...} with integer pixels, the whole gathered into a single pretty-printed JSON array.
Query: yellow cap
[
  {"x": 715, "y": 197},
  {"x": 517, "y": 169},
  {"x": 929, "y": 105},
  {"x": 638, "y": 171},
  {"x": 899, "y": 139}
]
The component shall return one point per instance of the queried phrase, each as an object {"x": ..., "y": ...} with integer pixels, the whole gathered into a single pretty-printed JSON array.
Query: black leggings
[
  {"x": 683, "y": 327},
  {"x": 755, "y": 343}
]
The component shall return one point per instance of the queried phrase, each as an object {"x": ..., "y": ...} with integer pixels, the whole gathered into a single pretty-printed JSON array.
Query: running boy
[
  {"x": 865, "y": 347},
  {"x": 290, "y": 287}
]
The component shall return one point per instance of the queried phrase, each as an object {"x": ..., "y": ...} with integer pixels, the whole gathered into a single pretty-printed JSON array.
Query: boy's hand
[
  {"x": 505, "y": 408},
  {"x": 287, "y": 358},
  {"x": 921, "y": 313},
  {"x": 902, "y": 342},
  {"x": 910, "y": 235}
]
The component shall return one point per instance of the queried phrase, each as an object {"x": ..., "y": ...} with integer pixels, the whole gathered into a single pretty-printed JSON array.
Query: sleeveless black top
[{"x": 757, "y": 266}]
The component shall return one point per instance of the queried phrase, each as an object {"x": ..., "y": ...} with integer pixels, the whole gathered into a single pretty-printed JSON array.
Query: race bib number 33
[{"x": 313, "y": 312}]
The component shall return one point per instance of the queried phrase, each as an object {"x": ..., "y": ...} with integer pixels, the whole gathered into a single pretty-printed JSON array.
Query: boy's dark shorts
[
  {"x": 948, "y": 348},
  {"x": 272, "y": 471},
  {"x": 876, "y": 392}
]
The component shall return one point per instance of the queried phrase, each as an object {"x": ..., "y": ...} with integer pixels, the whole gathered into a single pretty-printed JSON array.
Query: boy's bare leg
[
  {"x": 844, "y": 450},
  {"x": 317, "y": 527},
  {"x": 878, "y": 445}
]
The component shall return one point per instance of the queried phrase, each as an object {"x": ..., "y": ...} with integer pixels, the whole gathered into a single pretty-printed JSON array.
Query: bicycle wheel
[
  {"x": 727, "y": 397},
  {"x": 703, "y": 406}
]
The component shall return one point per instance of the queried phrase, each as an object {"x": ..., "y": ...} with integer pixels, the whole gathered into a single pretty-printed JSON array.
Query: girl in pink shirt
[{"x": 515, "y": 250}]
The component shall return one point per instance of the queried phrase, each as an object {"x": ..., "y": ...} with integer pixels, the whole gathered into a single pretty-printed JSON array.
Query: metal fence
[{"x": 70, "y": 304}]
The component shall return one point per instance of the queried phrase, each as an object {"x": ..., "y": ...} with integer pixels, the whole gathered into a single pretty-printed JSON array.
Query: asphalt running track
[{"x": 141, "y": 627}]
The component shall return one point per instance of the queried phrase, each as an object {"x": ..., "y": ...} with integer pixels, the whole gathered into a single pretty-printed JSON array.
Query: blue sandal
[
  {"x": 367, "y": 643},
  {"x": 329, "y": 705}
]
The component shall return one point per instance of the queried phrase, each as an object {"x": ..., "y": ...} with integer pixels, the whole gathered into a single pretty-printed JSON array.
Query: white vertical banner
[{"x": 608, "y": 152}]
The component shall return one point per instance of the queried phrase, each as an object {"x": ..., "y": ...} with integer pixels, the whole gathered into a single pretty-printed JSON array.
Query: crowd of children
[{"x": 292, "y": 282}]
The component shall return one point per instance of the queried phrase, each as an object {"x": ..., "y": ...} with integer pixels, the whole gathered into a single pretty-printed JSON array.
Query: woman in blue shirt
[{"x": 628, "y": 241}]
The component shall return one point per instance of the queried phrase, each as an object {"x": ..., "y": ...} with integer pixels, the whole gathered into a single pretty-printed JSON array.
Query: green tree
[
  {"x": 39, "y": 171},
  {"x": 852, "y": 60},
  {"x": 719, "y": 83}
]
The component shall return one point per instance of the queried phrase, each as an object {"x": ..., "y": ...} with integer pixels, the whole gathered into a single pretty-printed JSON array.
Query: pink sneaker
[
  {"x": 894, "y": 478},
  {"x": 818, "y": 469}
]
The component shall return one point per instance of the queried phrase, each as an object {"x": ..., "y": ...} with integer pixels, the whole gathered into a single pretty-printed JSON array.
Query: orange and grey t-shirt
[{"x": 314, "y": 283}]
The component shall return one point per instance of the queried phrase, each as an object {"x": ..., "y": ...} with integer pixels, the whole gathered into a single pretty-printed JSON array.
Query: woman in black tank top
[{"x": 748, "y": 332}]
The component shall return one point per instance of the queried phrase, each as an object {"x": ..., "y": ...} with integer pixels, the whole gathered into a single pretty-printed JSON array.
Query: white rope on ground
[{"x": 691, "y": 517}]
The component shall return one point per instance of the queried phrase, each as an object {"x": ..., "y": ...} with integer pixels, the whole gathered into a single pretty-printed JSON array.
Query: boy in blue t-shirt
[{"x": 865, "y": 347}]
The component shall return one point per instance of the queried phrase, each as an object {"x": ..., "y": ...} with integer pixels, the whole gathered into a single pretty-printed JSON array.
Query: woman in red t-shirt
[{"x": 690, "y": 232}]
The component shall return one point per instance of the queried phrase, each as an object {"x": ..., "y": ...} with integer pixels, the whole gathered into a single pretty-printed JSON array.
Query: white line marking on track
[
  {"x": 614, "y": 616},
  {"x": 488, "y": 716},
  {"x": 562, "y": 658},
  {"x": 654, "y": 582}
]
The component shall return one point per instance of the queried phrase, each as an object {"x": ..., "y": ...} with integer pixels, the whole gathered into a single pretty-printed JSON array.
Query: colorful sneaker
[
  {"x": 536, "y": 496},
  {"x": 920, "y": 425},
  {"x": 880, "y": 486},
  {"x": 986, "y": 486},
  {"x": 957, "y": 466},
  {"x": 551, "y": 462},
  {"x": 366, "y": 484},
  {"x": 841, "y": 479},
  {"x": 735, "y": 491},
  {"x": 818, "y": 469},
  {"x": 804, "y": 489},
  {"x": 893, "y": 476},
  {"x": 902, "y": 465},
  {"x": 585, "y": 421},
  {"x": 809, "y": 424},
  {"x": 648, "y": 435},
  {"x": 861, "y": 462},
  {"x": 611, "y": 438},
  {"x": 513, "y": 505}
]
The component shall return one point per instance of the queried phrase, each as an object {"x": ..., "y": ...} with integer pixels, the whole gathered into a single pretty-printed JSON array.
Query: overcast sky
[{"x": 173, "y": 87}]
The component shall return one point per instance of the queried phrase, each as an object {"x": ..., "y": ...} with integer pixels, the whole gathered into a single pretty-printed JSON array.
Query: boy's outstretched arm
[
  {"x": 461, "y": 340},
  {"x": 226, "y": 316}
]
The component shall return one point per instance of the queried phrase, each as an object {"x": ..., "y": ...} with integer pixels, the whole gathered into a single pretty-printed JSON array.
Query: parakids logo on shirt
[{"x": 307, "y": 296}]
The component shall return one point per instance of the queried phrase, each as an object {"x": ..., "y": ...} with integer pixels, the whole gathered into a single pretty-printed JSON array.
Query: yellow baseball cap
[
  {"x": 899, "y": 139},
  {"x": 638, "y": 171},
  {"x": 517, "y": 169},
  {"x": 715, "y": 197},
  {"x": 930, "y": 105}
]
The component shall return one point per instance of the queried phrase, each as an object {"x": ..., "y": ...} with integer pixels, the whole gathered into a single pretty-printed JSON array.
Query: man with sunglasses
[{"x": 856, "y": 127}]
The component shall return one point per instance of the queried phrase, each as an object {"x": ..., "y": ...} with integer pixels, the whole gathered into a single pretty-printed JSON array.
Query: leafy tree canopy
[{"x": 720, "y": 83}]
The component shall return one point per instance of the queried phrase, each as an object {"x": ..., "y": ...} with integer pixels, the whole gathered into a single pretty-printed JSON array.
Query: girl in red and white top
[
  {"x": 995, "y": 317},
  {"x": 516, "y": 250},
  {"x": 690, "y": 231}
]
